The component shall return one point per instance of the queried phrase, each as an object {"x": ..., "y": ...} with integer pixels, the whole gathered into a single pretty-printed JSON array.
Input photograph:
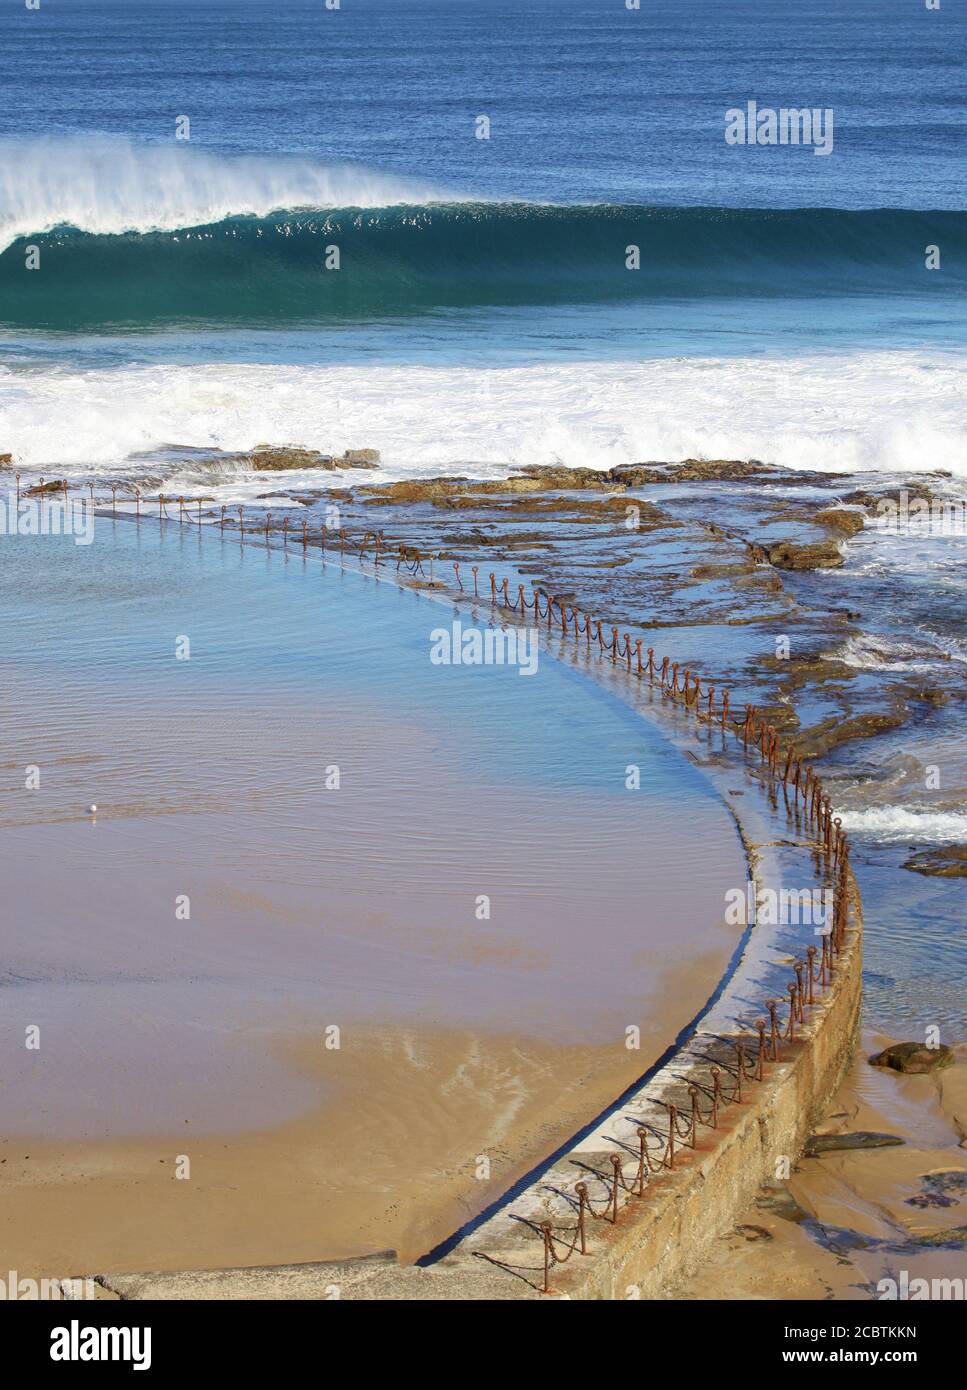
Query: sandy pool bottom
[{"x": 178, "y": 969}]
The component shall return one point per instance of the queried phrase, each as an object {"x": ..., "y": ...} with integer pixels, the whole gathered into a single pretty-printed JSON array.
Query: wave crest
[{"x": 108, "y": 185}]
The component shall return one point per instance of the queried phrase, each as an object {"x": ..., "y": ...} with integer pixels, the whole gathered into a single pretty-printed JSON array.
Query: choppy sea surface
[{"x": 483, "y": 311}]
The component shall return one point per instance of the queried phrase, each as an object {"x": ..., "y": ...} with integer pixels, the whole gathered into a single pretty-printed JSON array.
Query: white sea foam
[
  {"x": 888, "y": 411},
  {"x": 105, "y": 184},
  {"x": 873, "y": 651},
  {"x": 906, "y": 824}
]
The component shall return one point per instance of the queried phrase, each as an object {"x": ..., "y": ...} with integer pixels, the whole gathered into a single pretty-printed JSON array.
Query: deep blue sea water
[{"x": 589, "y": 101}]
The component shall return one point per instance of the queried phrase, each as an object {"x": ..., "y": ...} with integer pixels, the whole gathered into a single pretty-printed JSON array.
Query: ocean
[{"x": 483, "y": 312}]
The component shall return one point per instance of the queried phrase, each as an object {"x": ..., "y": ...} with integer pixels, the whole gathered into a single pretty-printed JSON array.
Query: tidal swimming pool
[{"x": 308, "y": 830}]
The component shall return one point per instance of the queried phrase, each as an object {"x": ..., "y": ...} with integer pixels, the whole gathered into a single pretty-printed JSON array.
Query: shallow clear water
[{"x": 311, "y": 905}]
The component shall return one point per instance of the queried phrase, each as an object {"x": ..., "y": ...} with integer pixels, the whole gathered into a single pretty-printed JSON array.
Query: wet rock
[
  {"x": 838, "y": 1143},
  {"x": 39, "y": 489},
  {"x": 815, "y": 669},
  {"x": 913, "y": 1058},
  {"x": 501, "y": 485},
  {"x": 639, "y": 474},
  {"x": 933, "y": 695},
  {"x": 751, "y": 1232},
  {"x": 721, "y": 571},
  {"x": 833, "y": 732},
  {"x": 816, "y": 555},
  {"x": 957, "y": 1236},
  {"x": 555, "y": 475},
  {"x": 932, "y": 1199},
  {"x": 949, "y": 862},
  {"x": 839, "y": 519},
  {"x": 613, "y": 509},
  {"x": 724, "y": 470},
  {"x": 462, "y": 492},
  {"x": 450, "y": 503},
  {"x": 269, "y": 458},
  {"x": 871, "y": 500},
  {"x": 414, "y": 490},
  {"x": 6, "y": 460},
  {"x": 780, "y": 1202}
]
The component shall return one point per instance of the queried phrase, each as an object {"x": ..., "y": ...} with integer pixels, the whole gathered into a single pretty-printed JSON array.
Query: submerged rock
[
  {"x": 838, "y": 1143},
  {"x": 949, "y": 862},
  {"x": 822, "y": 738},
  {"x": 781, "y": 1202},
  {"x": 913, "y": 1058},
  {"x": 958, "y": 1236},
  {"x": 815, "y": 555},
  {"x": 464, "y": 492}
]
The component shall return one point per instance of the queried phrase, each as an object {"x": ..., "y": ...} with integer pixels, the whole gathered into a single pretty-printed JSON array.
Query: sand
[
  {"x": 863, "y": 1215},
  {"x": 391, "y": 1162}
]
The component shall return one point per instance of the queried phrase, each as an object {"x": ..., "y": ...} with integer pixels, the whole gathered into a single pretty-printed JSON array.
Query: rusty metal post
[
  {"x": 740, "y": 1070},
  {"x": 799, "y": 967},
  {"x": 582, "y": 1190},
  {"x": 772, "y": 1005},
  {"x": 693, "y": 1132},
  {"x": 791, "y": 1030}
]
